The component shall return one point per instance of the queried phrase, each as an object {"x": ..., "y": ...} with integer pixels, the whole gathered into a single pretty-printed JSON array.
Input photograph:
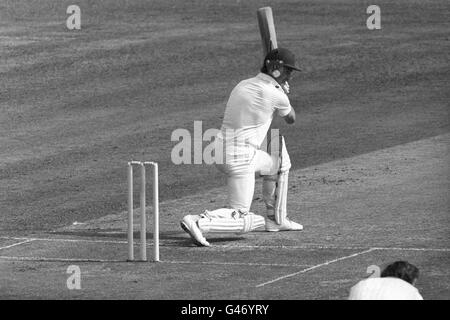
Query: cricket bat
[
  {"x": 269, "y": 42},
  {"x": 267, "y": 29}
]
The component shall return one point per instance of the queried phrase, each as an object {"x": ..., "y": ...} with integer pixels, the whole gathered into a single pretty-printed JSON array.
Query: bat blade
[
  {"x": 267, "y": 29},
  {"x": 269, "y": 42}
]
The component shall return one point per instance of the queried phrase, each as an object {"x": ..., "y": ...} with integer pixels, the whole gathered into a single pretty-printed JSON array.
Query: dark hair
[{"x": 403, "y": 270}]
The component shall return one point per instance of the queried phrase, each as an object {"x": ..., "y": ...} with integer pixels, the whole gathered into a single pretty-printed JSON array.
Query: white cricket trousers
[
  {"x": 237, "y": 218},
  {"x": 241, "y": 179}
]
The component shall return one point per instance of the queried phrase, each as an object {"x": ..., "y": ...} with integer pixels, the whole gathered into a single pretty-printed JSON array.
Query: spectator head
[{"x": 403, "y": 270}]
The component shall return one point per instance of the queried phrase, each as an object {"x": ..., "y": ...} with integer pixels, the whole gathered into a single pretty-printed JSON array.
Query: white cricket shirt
[
  {"x": 249, "y": 113},
  {"x": 387, "y": 288}
]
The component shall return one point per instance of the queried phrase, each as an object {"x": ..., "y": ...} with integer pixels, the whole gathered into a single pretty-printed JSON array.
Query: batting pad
[
  {"x": 275, "y": 189},
  {"x": 229, "y": 221},
  {"x": 280, "y": 157},
  {"x": 285, "y": 159},
  {"x": 281, "y": 197}
]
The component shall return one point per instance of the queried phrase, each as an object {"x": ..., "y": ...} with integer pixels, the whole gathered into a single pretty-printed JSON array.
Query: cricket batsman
[{"x": 248, "y": 115}]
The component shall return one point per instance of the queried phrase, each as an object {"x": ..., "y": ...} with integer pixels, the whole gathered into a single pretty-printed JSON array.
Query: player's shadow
[
  {"x": 181, "y": 239},
  {"x": 177, "y": 238}
]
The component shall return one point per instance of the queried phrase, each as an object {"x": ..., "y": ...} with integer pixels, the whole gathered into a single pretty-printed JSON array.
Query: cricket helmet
[{"x": 283, "y": 57}]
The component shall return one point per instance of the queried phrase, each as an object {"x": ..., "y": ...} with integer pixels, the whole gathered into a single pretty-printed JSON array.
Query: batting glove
[{"x": 285, "y": 87}]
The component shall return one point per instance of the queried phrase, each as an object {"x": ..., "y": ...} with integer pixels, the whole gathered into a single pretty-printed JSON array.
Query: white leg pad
[
  {"x": 229, "y": 221},
  {"x": 275, "y": 189},
  {"x": 275, "y": 186},
  {"x": 280, "y": 157},
  {"x": 281, "y": 197}
]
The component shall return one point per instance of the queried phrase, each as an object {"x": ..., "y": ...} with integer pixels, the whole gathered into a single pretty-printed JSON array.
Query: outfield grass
[{"x": 75, "y": 106}]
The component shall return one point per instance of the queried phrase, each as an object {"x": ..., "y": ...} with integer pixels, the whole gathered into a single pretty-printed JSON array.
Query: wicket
[{"x": 143, "y": 221}]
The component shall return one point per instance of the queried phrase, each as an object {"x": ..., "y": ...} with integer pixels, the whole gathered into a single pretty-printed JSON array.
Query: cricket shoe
[
  {"x": 189, "y": 224},
  {"x": 287, "y": 225}
]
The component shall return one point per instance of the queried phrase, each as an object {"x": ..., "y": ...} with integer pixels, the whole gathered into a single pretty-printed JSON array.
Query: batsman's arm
[{"x": 290, "y": 117}]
